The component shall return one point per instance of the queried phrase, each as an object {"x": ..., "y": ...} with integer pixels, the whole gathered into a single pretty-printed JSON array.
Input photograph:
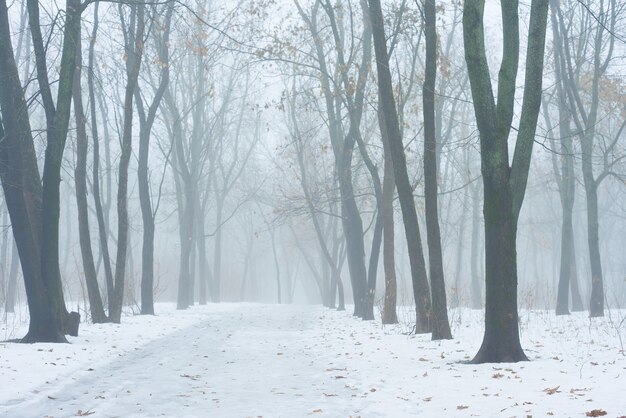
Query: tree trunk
[
  {"x": 421, "y": 289},
  {"x": 80, "y": 178},
  {"x": 440, "y": 325},
  {"x": 389, "y": 315},
  {"x": 276, "y": 265},
  {"x": 9, "y": 306},
  {"x": 477, "y": 298},
  {"x": 134, "y": 50},
  {"x": 459, "y": 253},
  {"x": 96, "y": 175},
  {"x": 504, "y": 185}
]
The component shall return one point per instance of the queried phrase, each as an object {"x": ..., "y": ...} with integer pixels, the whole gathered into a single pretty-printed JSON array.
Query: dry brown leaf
[
  {"x": 552, "y": 391},
  {"x": 595, "y": 413}
]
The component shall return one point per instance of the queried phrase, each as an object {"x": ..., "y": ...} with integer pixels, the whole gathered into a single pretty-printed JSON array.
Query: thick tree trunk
[
  {"x": 501, "y": 341},
  {"x": 504, "y": 185}
]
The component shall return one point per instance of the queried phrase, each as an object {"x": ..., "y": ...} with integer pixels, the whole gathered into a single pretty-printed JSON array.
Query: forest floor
[{"x": 240, "y": 360}]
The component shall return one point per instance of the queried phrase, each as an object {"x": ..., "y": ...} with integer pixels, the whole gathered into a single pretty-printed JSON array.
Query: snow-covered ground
[{"x": 240, "y": 360}]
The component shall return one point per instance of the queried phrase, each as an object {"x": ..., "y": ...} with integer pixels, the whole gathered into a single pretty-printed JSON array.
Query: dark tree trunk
[
  {"x": 22, "y": 191},
  {"x": 80, "y": 179},
  {"x": 421, "y": 289},
  {"x": 501, "y": 340},
  {"x": 440, "y": 325},
  {"x": 504, "y": 185}
]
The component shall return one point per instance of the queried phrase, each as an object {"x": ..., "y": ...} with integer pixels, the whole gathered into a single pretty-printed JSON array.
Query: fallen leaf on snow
[
  {"x": 462, "y": 407},
  {"x": 552, "y": 391},
  {"x": 595, "y": 413}
]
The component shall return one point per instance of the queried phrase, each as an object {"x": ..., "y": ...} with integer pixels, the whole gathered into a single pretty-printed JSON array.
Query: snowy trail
[{"x": 252, "y": 362}]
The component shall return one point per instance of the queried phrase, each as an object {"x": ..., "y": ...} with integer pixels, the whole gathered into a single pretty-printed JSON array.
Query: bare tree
[{"x": 504, "y": 185}]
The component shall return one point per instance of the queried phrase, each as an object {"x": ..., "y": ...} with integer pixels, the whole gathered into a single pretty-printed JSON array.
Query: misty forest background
[{"x": 202, "y": 151}]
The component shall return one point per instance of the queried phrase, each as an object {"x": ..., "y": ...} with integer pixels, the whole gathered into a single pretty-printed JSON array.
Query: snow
[{"x": 240, "y": 360}]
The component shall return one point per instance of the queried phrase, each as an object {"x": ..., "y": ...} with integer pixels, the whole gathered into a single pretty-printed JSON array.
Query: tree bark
[
  {"x": 146, "y": 121},
  {"x": 440, "y": 324},
  {"x": 504, "y": 186},
  {"x": 389, "y": 315},
  {"x": 80, "y": 179},
  {"x": 102, "y": 224},
  {"x": 134, "y": 50},
  {"x": 421, "y": 289}
]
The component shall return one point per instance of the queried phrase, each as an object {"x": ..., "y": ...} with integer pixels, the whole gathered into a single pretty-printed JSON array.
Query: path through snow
[{"x": 243, "y": 360}]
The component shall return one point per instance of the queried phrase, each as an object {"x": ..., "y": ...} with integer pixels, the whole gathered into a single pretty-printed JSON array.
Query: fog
[{"x": 243, "y": 178}]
